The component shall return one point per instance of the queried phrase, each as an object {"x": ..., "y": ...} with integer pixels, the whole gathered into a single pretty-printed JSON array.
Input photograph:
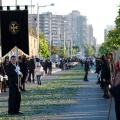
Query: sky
[{"x": 100, "y": 13}]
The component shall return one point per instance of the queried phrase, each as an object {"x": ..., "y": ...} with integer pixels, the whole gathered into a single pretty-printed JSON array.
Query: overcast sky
[{"x": 99, "y": 12}]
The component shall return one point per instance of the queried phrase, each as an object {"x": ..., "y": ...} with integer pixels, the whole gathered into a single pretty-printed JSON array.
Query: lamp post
[
  {"x": 15, "y": 2},
  {"x": 52, "y": 4},
  {"x": 58, "y": 42},
  {"x": 50, "y": 34},
  {"x": 64, "y": 37},
  {"x": 64, "y": 43},
  {"x": 71, "y": 38},
  {"x": 68, "y": 48},
  {"x": 71, "y": 45},
  {"x": 0, "y": 2}
]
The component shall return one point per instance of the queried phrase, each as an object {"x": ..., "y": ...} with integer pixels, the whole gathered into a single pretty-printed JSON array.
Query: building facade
[
  {"x": 51, "y": 25},
  {"x": 71, "y": 29},
  {"x": 76, "y": 28},
  {"x": 71, "y": 26},
  {"x": 81, "y": 37},
  {"x": 90, "y": 35}
]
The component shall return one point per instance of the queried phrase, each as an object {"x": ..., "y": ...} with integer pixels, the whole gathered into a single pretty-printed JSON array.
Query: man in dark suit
[
  {"x": 86, "y": 69},
  {"x": 13, "y": 72}
]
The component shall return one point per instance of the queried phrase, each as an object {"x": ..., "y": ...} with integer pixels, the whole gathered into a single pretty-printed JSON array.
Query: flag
[{"x": 14, "y": 30}]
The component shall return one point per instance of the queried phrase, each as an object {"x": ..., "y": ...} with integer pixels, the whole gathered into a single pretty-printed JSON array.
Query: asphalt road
[{"x": 89, "y": 103}]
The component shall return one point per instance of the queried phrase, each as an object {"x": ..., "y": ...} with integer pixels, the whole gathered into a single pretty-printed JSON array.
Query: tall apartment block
[
  {"x": 67, "y": 28},
  {"x": 76, "y": 28},
  {"x": 90, "y": 35},
  {"x": 52, "y": 26}
]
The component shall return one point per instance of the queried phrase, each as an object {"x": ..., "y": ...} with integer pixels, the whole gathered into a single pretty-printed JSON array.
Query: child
[{"x": 38, "y": 71}]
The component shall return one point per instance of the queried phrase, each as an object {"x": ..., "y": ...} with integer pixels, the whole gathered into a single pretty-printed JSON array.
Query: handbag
[{"x": 42, "y": 72}]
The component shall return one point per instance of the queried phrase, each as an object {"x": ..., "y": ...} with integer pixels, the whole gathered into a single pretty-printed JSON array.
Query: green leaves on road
[{"x": 50, "y": 98}]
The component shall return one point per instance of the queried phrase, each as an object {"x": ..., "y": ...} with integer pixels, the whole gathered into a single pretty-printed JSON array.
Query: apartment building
[
  {"x": 71, "y": 26},
  {"x": 64, "y": 29},
  {"x": 76, "y": 28},
  {"x": 51, "y": 25},
  {"x": 90, "y": 35}
]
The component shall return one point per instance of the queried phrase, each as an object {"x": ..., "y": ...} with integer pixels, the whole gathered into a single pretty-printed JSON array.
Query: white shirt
[{"x": 38, "y": 70}]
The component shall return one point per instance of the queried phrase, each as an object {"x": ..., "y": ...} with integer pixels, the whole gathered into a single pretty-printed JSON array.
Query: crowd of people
[
  {"x": 11, "y": 70},
  {"x": 64, "y": 62},
  {"x": 108, "y": 72},
  {"x": 29, "y": 69},
  {"x": 14, "y": 74}
]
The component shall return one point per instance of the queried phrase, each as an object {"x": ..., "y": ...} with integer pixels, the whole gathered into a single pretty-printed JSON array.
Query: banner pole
[{"x": 16, "y": 49}]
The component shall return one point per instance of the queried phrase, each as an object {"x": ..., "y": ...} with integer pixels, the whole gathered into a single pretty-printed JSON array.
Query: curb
[{"x": 56, "y": 71}]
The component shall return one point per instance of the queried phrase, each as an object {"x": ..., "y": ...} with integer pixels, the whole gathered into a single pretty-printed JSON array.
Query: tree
[
  {"x": 43, "y": 45},
  {"x": 112, "y": 43},
  {"x": 74, "y": 49},
  {"x": 89, "y": 51},
  {"x": 54, "y": 50}
]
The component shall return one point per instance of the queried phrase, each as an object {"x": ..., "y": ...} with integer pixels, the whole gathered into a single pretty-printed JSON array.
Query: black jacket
[
  {"x": 24, "y": 68},
  {"x": 31, "y": 64},
  {"x": 87, "y": 66},
  {"x": 49, "y": 65},
  {"x": 105, "y": 71},
  {"x": 12, "y": 75}
]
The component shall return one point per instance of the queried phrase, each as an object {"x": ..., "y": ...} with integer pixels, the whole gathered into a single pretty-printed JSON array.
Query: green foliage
[
  {"x": 74, "y": 49},
  {"x": 43, "y": 45},
  {"x": 112, "y": 43},
  {"x": 117, "y": 20},
  {"x": 89, "y": 51},
  {"x": 54, "y": 50},
  {"x": 49, "y": 99},
  {"x": 61, "y": 52}
]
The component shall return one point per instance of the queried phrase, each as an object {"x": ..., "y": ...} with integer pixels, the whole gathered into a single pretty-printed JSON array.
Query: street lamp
[
  {"x": 59, "y": 42},
  {"x": 71, "y": 40},
  {"x": 64, "y": 38},
  {"x": 52, "y": 4}
]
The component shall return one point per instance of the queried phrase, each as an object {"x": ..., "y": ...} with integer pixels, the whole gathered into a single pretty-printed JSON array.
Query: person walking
[
  {"x": 49, "y": 67},
  {"x": 38, "y": 71},
  {"x": 31, "y": 66},
  {"x": 14, "y": 100},
  {"x": 86, "y": 69},
  {"x": 46, "y": 66}
]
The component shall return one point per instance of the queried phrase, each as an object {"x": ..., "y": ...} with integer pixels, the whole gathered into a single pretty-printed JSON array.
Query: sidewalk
[{"x": 90, "y": 105}]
